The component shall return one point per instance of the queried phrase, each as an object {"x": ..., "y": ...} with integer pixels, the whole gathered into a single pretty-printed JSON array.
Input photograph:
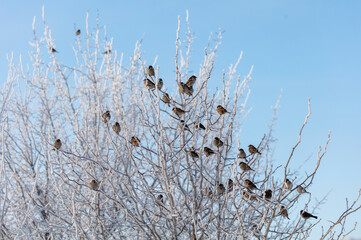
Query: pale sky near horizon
[{"x": 309, "y": 49}]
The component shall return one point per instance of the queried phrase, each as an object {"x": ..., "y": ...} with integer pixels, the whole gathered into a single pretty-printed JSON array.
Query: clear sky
[{"x": 307, "y": 48}]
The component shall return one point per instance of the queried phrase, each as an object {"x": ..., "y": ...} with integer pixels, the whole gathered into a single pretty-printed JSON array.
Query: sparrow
[
  {"x": 249, "y": 185},
  {"x": 94, "y": 185},
  {"x": 249, "y": 196},
  {"x": 193, "y": 154},
  {"x": 166, "y": 98},
  {"x": 191, "y": 81},
  {"x": 106, "y": 116},
  {"x": 221, "y": 110},
  {"x": 135, "y": 141},
  {"x": 230, "y": 185},
  {"x": 288, "y": 184},
  {"x": 178, "y": 111},
  {"x": 220, "y": 189},
  {"x": 283, "y": 212},
  {"x": 160, "y": 198},
  {"x": 77, "y": 32},
  {"x": 160, "y": 84},
  {"x": 245, "y": 167},
  {"x": 217, "y": 142},
  {"x": 307, "y": 215},
  {"x": 57, "y": 144},
  {"x": 208, "y": 192},
  {"x": 149, "y": 84},
  {"x": 200, "y": 126},
  {"x": 107, "y": 51},
  {"x": 252, "y": 149},
  {"x": 185, "y": 89},
  {"x": 207, "y": 151},
  {"x": 52, "y": 50},
  {"x": 116, "y": 128},
  {"x": 301, "y": 189},
  {"x": 184, "y": 126},
  {"x": 150, "y": 71},
  {"x": 242, "y": 154},
  {"x": 267, "y": 195}
]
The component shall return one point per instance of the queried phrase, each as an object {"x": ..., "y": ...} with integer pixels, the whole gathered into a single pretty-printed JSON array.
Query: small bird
[
  {"x": 94, "y": 185},
  {"x": 307, "y": 215},
  {"x": 242, "y": 154},
  {"x": 160, "y": 84},
  {"x": 220, "y": 189},
  {"x": 200, "y": 126},
  {"x": 249, "y": 196},
  {"x": 57, "y": 144},
  {"x": 149, "y": 84},
  {"x": 301, "y": 189},
  {"x": 207, "y": 151},
  {"x": 245, "y": 167},
  {"x": 178, "y": 111},
  {"x": 77, "y": 32},
  {"x": 52, "y": 50},
  {"x": 191, "y": 81},
  {"x": 116, "y": 128},
  {"x": 135, "y": 141},
  {"x": 184, "y": 126},
  {"x": 252, "y": 149},
  {"x": 106, "y": 116},
  {"x": 186, "y": 89},
  {"x": 221, "y": 110},
  {"x": 150, "y": 71},
  {"x": 107, "y": 51},
  {"x": 249, "y": 185},
  {"x": 193, "y": 154},
  {"x": 208, "y": 192},
  {"x": 288, "y": 184},
  {"x": 230, "y": 185},
  {"x": 283, "y": 212},
  {"x": 166, "y": 98},
  {"x": 267, "y": 195},
  {"x": 217, "y": 142},
  {"x": 160, "y": 198}
]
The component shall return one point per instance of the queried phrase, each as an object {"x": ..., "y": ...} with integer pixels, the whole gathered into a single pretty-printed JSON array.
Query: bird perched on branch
[
  {"x": 166, "y": 98},
  {"x": 178, "y": 111},
  {"x": 242, "y": 154},
  {"x": 288, "y": 184},
  {"x": 230, "y": 185},
  {"x": 217, "y": 142},
  {"x": 221, "y": 110},
  {"x": 283, "y": 212},
  {"x": 149, "y": 84},
  {"x": 245, "y": 167},
  {"x": 150, "y": 71},
  {"x": 307, "y": 215},
  {"x": 200, "y": 126},
  {"x": 249, "y": 185},
  {"x": 106, "y": 116},
  {"x": 220, "y": 189},
  {"x": 107, "y": 52},
  {"x": 57, "y": 144},
  {"x": 160, "y": 198},
  {"x": 160, "y": 84},
  {"x": 94, "y": 185},
  {"x": 184, "y": 88},
  {"x": 52, "y": 50},
  {"x": 249, "y": 196},
  {"x": 116, "y": 127},
  {"x": 77, "y": 32},
  {"x": 135, "y": 141},
  {"x": 208, "y": 192},
  {"x": 184, "y": 126},
  {"x": 191, "y": 81},
  {"x": 301, "y": 189},
  {"x": 267, "y": 195},
  {"x": 207, "y": 151},
  {"x": 193, "y": 154},
  {"x": 252, "y": 149}
]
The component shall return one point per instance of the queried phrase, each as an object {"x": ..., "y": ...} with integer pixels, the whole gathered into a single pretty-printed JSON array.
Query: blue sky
[{"x": 307, "y": 48}]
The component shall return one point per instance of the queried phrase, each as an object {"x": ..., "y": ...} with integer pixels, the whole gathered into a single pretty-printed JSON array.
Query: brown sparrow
[
  {"x": 191, "y": 81},
  {"x": 288, "y": 184},
  {"x": 160, "y": 84},
  {"x": 135, "y": 141},
  {"x": 185, "y": 89},
  {"x": 283, "y": 212},
  {"x": 220, "y": 189},
  {"x": 207, "y": 151},
  {"x": 150, "y": 71},
  {"x": 116, "y": 128},
  {"x": 301, "y": 189},
  {"x": 94, "y": 185},
  {"x": 178, "y": 111},
  {"x": 57, "y": 144},
  {"x": 252, "y": 149},
  {"x": 208, "y": 192},
  {"x": 52, "y": 50},
  {"x": 106, "y": 116},
  {"x": 249, "y": 185},
  {"x": 307, "y": 215},
  {"x": 77, "y": 32},
  {"x": 249, "y": 196},
  {"x": 193, "y": 154},
  {"x": 245, "y": 167},
  {"x": 160, "y": 198},
  {"x": 184, "y": 126},
  {"x": 221, "y": 110},
  {"x": 230, "y": 185},
  {"x": 242, "y": 154},
  {"x": 267, "y": 195},
  {"x": 166, "y": 98},
  {"x": 149, "y": 84},
  {"x": 107, "y": 51},
  {"x": 200, "y": 126},
  {"x": 217, "y": 142}
]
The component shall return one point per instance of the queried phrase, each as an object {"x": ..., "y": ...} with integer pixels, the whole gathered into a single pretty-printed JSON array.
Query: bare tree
[{"x": 104, "y": 150}]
